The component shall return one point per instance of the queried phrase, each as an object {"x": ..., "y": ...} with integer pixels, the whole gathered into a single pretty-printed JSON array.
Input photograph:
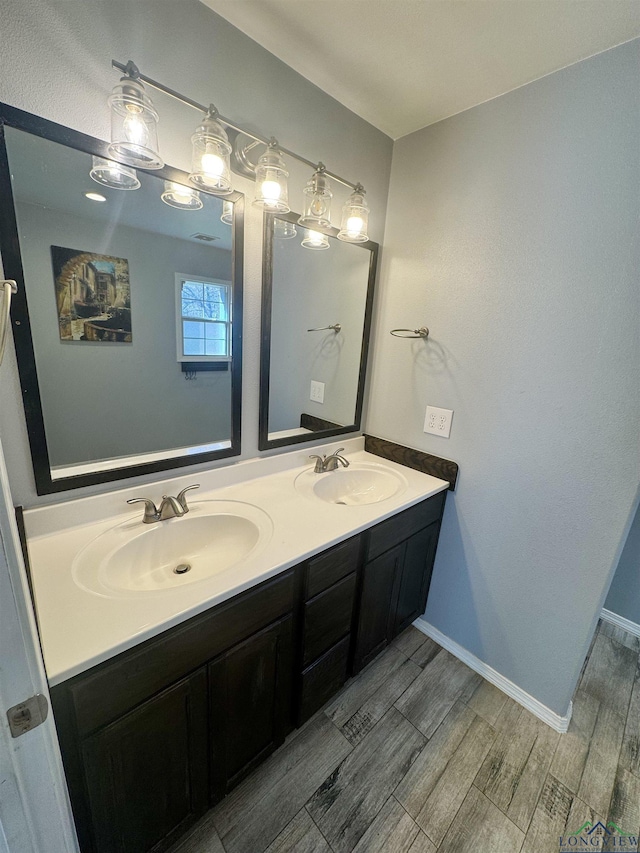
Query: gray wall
[
  {"x": 311, "y": 289},
  {"x": 55, "y": 61},
  {"x": 108, "y": 400},
  {"x": 512, "y": 232},
  {"x": 624, "y": 592}
]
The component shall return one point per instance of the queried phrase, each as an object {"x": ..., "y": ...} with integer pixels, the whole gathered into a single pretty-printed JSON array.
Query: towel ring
[{"x": 422, "y": 332}]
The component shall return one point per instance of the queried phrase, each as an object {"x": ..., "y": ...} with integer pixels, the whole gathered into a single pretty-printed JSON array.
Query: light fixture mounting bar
[{"x": 160, "y": 87}]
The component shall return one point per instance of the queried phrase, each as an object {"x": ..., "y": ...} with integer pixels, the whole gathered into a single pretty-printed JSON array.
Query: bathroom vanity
[
  {"x": 168, "y": 721},
  {"x": 180, "y": 652}
]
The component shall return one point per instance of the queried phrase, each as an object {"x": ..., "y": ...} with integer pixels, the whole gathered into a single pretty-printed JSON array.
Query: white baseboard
[
  {"x": 620, "y": 621},
  {"x": 557, "y": 722}
]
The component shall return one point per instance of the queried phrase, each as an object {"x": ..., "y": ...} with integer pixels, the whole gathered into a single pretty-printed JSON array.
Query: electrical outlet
[
  {"x": 317, "y": 391},
  {"x": 438, "y": 421}
]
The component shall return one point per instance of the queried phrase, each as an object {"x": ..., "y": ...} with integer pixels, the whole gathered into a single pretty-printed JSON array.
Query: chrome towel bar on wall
[
  {"x": 336, "y": 328},
  {"x": 422, "y": 332},
  {"x": 9, "y": 288}
]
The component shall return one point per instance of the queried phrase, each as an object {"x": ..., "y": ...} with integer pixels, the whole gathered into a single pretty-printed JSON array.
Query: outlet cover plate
[
  {"x": 317, "y": 391},
  {"x": 438, "y": 421}
]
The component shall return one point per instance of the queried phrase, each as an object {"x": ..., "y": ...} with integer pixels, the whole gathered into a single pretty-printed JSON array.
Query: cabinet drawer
[
  {"x": 394, "y": 530},
  {"x": 121, "y": 684},
  {"x": 323, "y": 679},
  {"x": 328, "y": 568},
  {"x": 327, "y": 617}
]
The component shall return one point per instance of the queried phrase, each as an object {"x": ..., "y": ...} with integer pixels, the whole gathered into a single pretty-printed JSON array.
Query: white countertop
[{"x": 80, "y": 628}]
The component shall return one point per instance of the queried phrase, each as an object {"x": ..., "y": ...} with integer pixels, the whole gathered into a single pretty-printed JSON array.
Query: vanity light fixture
[
  {"x": 315, "y": 240},
  {"x": 94, "y": 197},
  {"x": 227, "y": 213},
  {"x": 210, "y": 161},
  {"x": 134, "y": 123},
  {"x": 134, "y": 142},
  {"x": 317, "y": 201},
  {"x": 113, "y": 175},
  {"x": 184, "y": 198},
  {"x": 272, "y": 192},
  {"x": 284, "y": 230},
  {"x": 355, "y": 218}
]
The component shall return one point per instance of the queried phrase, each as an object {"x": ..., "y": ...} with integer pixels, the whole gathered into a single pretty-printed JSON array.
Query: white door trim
[{"x": 35, "y": 813}]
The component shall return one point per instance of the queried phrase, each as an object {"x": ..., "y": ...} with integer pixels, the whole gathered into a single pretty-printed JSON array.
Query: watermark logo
[{"x": 597, "y": 836}]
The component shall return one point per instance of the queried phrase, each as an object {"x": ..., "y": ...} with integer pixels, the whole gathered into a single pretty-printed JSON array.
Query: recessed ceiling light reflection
[{"x": 94, "y": 197}]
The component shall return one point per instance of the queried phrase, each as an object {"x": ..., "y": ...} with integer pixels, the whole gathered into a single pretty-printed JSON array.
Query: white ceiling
[{"x": 404, "y": 64}]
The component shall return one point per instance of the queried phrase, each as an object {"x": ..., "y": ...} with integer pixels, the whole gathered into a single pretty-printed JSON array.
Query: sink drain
[{"x": 182, "y": 569}]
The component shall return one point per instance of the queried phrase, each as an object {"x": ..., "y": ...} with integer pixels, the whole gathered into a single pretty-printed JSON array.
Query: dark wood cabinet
[
  {"x": 146, "y": 773},
  {"x": 415, "y": 577},
  {"x": 250, "y": 700},
  {"x": 151, "y": 738},
  {"x": 155, "y": 736},
  {"x": 395, "y": 577},
  {"x": 375, "y": 627}
]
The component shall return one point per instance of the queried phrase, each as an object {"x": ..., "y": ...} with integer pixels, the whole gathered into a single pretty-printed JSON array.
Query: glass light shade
[
  {"x": 272, "y": 192},
  {"x": 210, "y": 164},
  {"x": 315, "y": 240},
  {"x": 317, "y": 202},
  {"x": 283, "y": 230},
  {"x": 184, "y": 198},
  {"x": 113, "y": 175},
  {"x": 134, "y": 126},
  {"x": 355, "y": 218},
  {"x": 227, "y": 213}
]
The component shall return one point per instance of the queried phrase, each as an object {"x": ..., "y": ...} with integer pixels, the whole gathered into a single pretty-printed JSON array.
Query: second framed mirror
[{"x": 317, "y": 295}]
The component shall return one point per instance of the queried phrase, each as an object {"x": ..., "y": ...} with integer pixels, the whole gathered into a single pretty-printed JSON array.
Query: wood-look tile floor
[{"x": 419, "y": 754}]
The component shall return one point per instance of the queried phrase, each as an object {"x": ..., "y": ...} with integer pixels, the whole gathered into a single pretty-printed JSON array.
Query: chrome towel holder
[
  {"x": 10, "y": 288},
  {"x": 336, "y": 328},
  {"x": 422, "y": 332}
]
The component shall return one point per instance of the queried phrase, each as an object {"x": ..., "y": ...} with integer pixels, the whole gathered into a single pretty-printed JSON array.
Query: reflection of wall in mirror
[
  {"x": 101, "y": 400},
  {"x": 313, "y": 289}
]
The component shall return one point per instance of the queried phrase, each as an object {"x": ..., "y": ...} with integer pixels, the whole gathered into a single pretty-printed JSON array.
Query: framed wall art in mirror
[
  {"x": 317, "y": 297},
  {"x": 127, "y": 321}
]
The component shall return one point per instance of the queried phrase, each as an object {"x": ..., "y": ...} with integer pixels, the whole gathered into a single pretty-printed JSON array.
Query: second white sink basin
[
  {"x": 357, "y": 485},
  {"x": 133, "y": 558}
]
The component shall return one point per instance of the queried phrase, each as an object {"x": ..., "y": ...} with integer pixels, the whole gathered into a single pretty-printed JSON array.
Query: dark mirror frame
[
  {"x": 12, "y": 264},
  {"x": 264, "y": 442}
]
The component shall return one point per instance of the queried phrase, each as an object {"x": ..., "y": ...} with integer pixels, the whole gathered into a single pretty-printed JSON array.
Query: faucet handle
[
  {"x": 181, "y": 496},
  {"x": 151, "y": 512},
  {"x": 319, "y": 462}
]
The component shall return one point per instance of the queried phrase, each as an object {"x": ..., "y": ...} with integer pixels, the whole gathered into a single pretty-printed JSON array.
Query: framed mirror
[
  {"x": 127, "y": 322},
  {"x": 316, "y": 321}
]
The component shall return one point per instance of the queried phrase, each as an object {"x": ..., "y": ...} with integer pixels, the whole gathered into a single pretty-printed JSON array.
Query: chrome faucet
[
  {"x": 329, "y": 463},
  {"x": 169, "y": 508}
]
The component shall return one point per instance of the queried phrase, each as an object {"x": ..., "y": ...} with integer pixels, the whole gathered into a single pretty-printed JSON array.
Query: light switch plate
[
  {"x": 317, "y": 391},
  {"x": 438, "y": 421}
]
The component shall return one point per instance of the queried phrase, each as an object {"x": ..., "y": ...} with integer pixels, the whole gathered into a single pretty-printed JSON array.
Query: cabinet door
[
  {"x": 415, "y": 577},
  {"x": 146, "y": 773},
  {"x": 249, "y": 704},
  {"x": 377, "y": 605}
]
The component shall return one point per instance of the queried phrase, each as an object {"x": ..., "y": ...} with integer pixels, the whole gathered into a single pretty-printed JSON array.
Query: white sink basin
[
  {"x": 357, "y": 485},
  {"x": 135, "y": 558}
]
